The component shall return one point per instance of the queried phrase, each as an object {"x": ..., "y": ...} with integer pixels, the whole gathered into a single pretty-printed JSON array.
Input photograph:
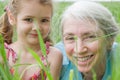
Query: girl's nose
[
  {"x": 80, "y": 47},
  {"x": 36, "y": 25}
]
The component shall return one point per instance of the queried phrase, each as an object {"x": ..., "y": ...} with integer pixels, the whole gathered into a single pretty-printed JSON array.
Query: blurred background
[{"x": 60, "y": 6}]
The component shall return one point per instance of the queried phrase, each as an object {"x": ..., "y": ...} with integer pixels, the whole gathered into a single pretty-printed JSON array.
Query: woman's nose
[{"x": 80, "y": 47}]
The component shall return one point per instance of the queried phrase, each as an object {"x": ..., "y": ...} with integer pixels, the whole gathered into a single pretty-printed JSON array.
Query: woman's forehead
[
  {"x": 79, "y": 26},
  {"x": 79, "y": 22}
]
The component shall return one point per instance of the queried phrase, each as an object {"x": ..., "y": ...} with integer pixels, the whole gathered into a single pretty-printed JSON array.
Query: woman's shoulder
[
  {"x": 60, "y": 46},
  {"x": 114, "y": 50}
]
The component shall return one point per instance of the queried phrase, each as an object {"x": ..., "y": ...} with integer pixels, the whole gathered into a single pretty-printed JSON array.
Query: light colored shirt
[{"x": 68, "y": 65}]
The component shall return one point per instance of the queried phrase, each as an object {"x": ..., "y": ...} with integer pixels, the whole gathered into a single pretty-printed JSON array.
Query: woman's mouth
[{"x": 84, "y": 60}]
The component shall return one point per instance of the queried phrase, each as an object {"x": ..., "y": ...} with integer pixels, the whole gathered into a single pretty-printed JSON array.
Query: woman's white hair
[{"x": 92, "y": 12}]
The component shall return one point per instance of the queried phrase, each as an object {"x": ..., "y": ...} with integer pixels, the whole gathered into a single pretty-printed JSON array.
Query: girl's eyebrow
[
  {"x": 46, "y": 17},
  {"x": 28, "y": 16}
]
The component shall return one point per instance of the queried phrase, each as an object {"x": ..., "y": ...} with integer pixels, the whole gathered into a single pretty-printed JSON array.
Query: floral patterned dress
[{"x": 12, "y": 58}]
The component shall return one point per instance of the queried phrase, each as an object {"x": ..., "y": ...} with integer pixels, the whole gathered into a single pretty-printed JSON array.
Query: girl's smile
[{"x": 32, "y": 18}]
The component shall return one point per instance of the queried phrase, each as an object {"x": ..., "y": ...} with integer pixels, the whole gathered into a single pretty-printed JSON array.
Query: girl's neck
[{"x": 21, "y": 46}]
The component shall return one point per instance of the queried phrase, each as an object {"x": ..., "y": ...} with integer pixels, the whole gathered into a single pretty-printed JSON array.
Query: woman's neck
[
  {"x": 91, "y": 76},
  {"x": 98, "y": 71}
]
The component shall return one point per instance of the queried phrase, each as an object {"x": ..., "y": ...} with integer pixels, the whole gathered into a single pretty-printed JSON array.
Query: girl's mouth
[{"x": 34, "y": 35}]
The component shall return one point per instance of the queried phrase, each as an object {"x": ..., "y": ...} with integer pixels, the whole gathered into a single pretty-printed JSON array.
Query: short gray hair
[{"x": 95, "y": 12}]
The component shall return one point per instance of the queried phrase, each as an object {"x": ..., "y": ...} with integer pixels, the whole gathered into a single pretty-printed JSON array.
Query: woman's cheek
[
  {"x": 94, "y": 47},
  {"x": 69, "y": 49}
]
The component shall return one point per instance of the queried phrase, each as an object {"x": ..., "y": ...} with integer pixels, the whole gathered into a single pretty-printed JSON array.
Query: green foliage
[
  {"x": 43, "y": 50},
  {"x": 60, "y": 7},
  {"x": 114, "y": 8},
  {"x": 41, "y": 42},
  {"x": 40, "y": 63},
  {"x": 116, "y": 66},
  {"x": 2, "y": 6},
  {"x": 55, "y": 35},
  {"x": 71, "y": 74},
  {"x": 4, "y": 68},
  {"x": 94, "y": 75}
]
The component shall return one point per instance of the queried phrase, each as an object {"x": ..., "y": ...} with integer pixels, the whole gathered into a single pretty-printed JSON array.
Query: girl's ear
[{"x": 11, "y": 18}]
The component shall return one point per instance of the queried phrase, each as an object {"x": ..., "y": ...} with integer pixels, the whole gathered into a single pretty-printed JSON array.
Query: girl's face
[
  {"x": 83, "y": 44},
  {"x": 30, "y": 11}
]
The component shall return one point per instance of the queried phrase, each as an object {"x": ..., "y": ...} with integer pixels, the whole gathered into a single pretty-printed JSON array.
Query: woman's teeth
[{"x": 82, "y": 59}]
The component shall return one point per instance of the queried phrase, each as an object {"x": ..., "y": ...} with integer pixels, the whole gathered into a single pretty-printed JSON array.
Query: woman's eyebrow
[
  {"x": 68, "y": 34},
  {"x": 89, "y": 33}
]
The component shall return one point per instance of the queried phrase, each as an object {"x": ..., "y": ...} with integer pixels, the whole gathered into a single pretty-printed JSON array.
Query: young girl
[{"x": 21, "y": 15}]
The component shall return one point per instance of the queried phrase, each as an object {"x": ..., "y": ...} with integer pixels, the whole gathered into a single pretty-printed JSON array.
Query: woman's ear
[
  {"x": 109, "y": 44},
  {"x": 11, "y": 18}
]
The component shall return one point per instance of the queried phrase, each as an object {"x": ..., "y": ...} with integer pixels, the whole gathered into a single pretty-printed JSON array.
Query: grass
[
  {"x": 5, "y": 74},
  {"x": 55, "y": 35},
  {"x": 2, "y": 6},
  {"x": 59, "y": 9}
]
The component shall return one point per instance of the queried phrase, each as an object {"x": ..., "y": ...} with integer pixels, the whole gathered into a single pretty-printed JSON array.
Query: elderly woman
[{"x": 88, "y": 34}]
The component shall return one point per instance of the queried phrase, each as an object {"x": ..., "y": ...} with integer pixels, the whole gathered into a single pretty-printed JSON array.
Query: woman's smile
[{"x": 84, "y": 60}]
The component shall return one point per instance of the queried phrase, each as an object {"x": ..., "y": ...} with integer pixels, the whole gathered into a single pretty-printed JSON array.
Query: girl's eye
[
  {"x": 44, "y": 20},
  {"x": 28, "y": 20}
]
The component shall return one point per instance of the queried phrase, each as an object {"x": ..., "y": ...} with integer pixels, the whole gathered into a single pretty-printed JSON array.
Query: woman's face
[{"x": 83, "y": 44}]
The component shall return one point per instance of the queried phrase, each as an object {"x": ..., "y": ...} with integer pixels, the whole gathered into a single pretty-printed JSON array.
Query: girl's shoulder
[
  {"x": 55, "y": 52},
  {"x": 55, "y": 56},
  {"x": 10, "y": 54},
  {"x": 51, "y": 50},
  {"x": 8, "y": 49}
]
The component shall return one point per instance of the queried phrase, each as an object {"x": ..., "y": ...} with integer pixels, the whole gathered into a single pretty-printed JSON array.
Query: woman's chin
[{"x": 84, "y": 69}]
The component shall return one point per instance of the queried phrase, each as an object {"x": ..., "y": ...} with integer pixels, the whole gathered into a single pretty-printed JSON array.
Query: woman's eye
[
  {"x": 90, "y": 38},
  {"x": 28, "y": 19},
  {"x": 70, "y": 38}
]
